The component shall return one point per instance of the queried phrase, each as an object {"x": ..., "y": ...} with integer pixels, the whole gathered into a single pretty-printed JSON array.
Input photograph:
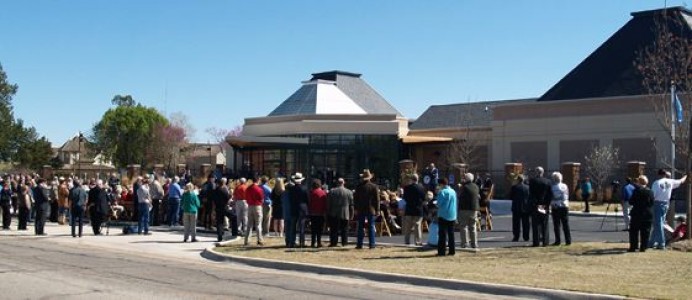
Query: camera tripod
[{"x": 615, "y": 211}]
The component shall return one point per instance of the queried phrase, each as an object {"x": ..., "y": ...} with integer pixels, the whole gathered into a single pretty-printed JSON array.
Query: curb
[{"x": 450, "y": 284}]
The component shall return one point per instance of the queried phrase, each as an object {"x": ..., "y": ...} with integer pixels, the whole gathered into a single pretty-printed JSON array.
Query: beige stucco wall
[
  {"x": 602, "y": 120},
  {"x": 326, "y": 124}
]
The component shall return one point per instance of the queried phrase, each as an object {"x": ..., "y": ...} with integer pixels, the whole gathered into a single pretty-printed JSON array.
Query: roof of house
[
  {"x": 611, "y": 69},
  {"x": 73, "y": 145},
  {"x": 471, "y": 114},
  {"x": 335, "y": 92}
]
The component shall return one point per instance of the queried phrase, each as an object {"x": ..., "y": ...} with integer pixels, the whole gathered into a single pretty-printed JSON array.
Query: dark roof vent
[{"x": 331, "y": 75}]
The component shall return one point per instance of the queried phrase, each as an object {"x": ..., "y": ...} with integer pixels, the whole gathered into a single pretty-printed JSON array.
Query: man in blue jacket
[{"x": 446, "y": 215}]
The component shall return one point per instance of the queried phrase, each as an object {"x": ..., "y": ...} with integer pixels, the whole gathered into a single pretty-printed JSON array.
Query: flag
[{"x": 678, "y": 109}]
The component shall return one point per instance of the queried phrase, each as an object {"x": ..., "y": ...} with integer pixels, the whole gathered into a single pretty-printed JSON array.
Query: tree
[
  {"x": 119, "y": 100},
  {"x": 218, "y": 134},
  {"x": 7, "y": 91},
  {"x": 666, "y": 62},
  {"x": 167, "y": 143},
  {"x": 179, "y": 119},
  {"x": 601, "y": 163},
  {"x": 19, "y": 144},
  {"x": 124, "y": 133}
]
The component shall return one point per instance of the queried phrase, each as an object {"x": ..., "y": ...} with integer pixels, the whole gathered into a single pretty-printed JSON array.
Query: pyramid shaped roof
[
  {"x": 335, "y": 92},
  {"x": 610, "y": 70}
]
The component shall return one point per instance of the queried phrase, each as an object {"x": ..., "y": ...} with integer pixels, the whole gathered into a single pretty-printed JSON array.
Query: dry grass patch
[{"x": 586, "y": 267}]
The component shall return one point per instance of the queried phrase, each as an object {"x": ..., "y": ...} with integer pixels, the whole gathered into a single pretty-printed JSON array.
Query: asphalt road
[{"x": 49, "y": 268}]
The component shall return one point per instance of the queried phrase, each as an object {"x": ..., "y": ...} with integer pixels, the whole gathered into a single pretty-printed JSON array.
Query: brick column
[
  {"x": 47, "y": 172},
  {"x": 406, "y": 168},
  {"x": 635, "y": 168},
  {"x": 570, "y": 176},
  {"x": 458, "y": 169},
  {"x": 204, "y": 171},
  {"x": 133, "y": 171},
  {"x": 511, "y": 171},
  {"x": 180, "y": 169},
  {"x": 158, "y": 170}
]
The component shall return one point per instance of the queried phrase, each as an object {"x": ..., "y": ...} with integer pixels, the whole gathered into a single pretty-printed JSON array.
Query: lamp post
[{"x": 79, "y": 152}]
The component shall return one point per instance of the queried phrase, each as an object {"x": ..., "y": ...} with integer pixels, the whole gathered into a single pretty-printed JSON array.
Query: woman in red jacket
[{"x": 317, "y": 209}]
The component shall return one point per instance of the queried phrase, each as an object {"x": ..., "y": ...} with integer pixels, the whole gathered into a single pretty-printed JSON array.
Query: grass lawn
[{"x": 587, "y": 267}]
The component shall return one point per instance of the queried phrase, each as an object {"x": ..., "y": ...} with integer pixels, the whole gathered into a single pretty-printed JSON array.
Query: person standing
[
  {"x": 254, "y": 197},
  {"x": 277, "y": 207},
  {"x": 24, "y": 204},
  {"x": 446, "y": 216},
  {"x": 220, "y": 197},
  {"x": 627, "y": 191},
  {"x": 317, "y": 209},
  {"x": 469, "y": 209},
  {"x": 559, "y": 207},
  {"x": 40, "y": 194},
  {"x": 266, "y": 205},
  {"x": 367, "y": 204},
  {"x": 414, "y": 197},
  {"x": 299, "y": 210},
  {"x": 540, "y": 198},
  {"x": 663, "y": 189},
  {"x": 521, "y": 209},
  {"x": 174, "y": 195},
  {"x": 98, "y": 206},
  {"x": 241, "y": 205},
  {"x": 207, "y": 201},
  {"x": 156, "y": 191},
  {"x": 78, "y": 200},
  {"x": 135, "y": 192},
  {"x": 144, "y": 198},
  {"x": 586, "y": 191},
  {"x": 290, "y": 235},
  {"x": 339, "y": 211},
  {"x": 641, "y": 215},
  {"x": 5, "y": 204},
  {"x": 190, "y": 204},
  {"x": 63, "y": 201}
]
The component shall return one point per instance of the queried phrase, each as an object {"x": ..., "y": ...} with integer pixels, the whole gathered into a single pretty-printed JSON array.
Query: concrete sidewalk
[{"x": 166, "y": 243}]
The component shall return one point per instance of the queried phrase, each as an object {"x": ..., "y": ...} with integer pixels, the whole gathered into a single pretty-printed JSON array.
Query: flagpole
[{"x": 672, "y": 129}]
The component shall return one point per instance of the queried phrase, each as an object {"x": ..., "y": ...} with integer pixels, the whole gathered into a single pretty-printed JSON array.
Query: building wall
[
  {"x": 549, "y": 133},
  {"x": 326, "y": 124}
]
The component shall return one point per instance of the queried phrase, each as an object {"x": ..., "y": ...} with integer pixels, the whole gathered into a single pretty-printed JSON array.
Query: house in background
[{"x": 78, "y": 158}]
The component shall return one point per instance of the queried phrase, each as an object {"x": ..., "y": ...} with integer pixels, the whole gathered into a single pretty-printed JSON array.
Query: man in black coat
[
  {"x": 414, "y": 196},
  {"x": 42, "y": 205},
  {"x": 641, "y": 215},
  {"x": 78, "y": 201},
  {"x": 540, "y": 197},
  {"x": 219, "y": 197},
  {"x": 521, "y": 209},
  {"x": 99, "y": 208},
  {"x": 299, "y": 210}
]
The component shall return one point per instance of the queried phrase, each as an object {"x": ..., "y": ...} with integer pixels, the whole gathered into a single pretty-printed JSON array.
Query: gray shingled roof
[
  {"x": 610, "y": 70},
  {"x": 304, "y": 100},
  {"x": 472, "y": 114}
]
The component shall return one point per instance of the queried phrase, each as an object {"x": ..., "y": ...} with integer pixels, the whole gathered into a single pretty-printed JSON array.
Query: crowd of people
[{"x": 289, "y": 208}]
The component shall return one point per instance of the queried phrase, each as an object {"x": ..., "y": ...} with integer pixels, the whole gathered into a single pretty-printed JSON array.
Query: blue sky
[{"x": 219, "y": 62}]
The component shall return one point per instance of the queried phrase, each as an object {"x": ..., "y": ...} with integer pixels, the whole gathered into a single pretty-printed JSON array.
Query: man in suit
[
  {"x": 414, "y": 196},
  {"x": 220, "y": 197},
  {"x": 42, "y": 206},
  {"x": 367, "y": 204},
  {"x": 98, "y": 203},
  {"x": 339, "y": 211},
  {"x": 469, "y": 209},
  {"x": 540, "y": 197},
  {"x": 78, "y": 200},
  {"x": 521, "y": 209}
]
